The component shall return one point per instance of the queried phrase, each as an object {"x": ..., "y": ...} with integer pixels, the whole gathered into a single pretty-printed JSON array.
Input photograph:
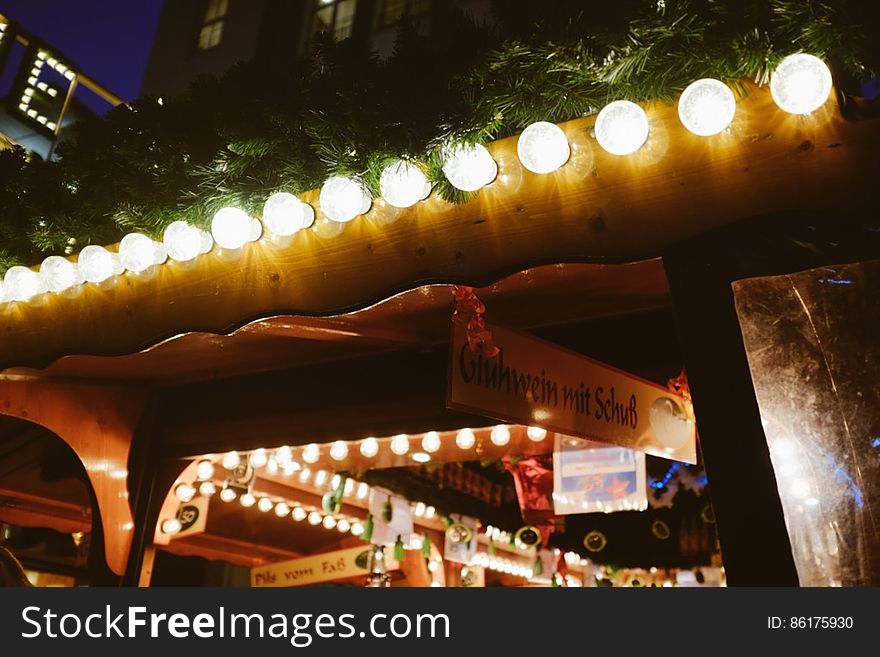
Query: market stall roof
[{"x": 597, "y": 208}]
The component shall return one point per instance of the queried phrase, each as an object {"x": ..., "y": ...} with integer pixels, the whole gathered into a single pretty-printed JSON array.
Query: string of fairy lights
[{"x": 799, "y": 85}]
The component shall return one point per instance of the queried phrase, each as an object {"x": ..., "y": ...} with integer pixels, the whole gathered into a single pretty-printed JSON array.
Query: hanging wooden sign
[
  {"x": 318, "y": 568},
  {"x": 530, "y": 381}
]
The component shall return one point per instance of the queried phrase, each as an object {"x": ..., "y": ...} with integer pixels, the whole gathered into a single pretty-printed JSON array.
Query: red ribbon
[{"x": 469, "y": 311}]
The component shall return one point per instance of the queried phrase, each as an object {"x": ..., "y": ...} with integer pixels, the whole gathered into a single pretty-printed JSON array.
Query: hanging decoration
[
  {"x": 460, "y": 539},
  {"x": 660, "y": 530},
  {"x": 533, "y": 480},
  {"x": 527, "y": 537},
  {"x": 469, "y": 311},
  {"x": 391, "y": 517},
  {"x": 595, "y": 541},
  {"x": 597, "y": 478}
]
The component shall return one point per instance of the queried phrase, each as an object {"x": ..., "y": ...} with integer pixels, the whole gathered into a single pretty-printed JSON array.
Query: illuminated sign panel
[{"x": 41, "y": 89}]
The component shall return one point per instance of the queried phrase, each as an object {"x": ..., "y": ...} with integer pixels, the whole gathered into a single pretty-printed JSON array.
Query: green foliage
[{"x": 268, "y": 126}]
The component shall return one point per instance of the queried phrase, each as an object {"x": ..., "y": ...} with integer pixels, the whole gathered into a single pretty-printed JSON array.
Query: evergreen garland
[{"x": 266, "y": 126}]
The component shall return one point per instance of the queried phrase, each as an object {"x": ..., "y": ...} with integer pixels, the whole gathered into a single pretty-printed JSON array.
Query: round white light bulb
[
  {"x": 97, "y": 264},
  {"x": 465, "y": 439},
  {"x": 232, "y": 228},
  {"x": 500, "y": 435},
  {"x": 311, "y": 453},
  {"x": 329, "y": 522},
  {"x": 431, "y": 442},
  {"x": 265, "y": 504},
  {"x": 231, "y": 460},
  {"x": 343, "y": 525},
  {"x": 284, "y": 214},
  {"x": 207, "y": 488},
  {"x": 342, "y": 199},
  {"x": 706, "y": 107},
  {"x": 171, "y": 526},
  {"x": 299, "y": 514},
  {"x": 469, "y": 167},
  {"x": 400, "y": 444},
  {"x": 258, "y": 458},
  {"x": 282, "y": 509},
  {"x": 621, "y": 127},
  {"x": 247, "y": 500},
  {"x": 22, "y": 284},
  {"x": 536, "y": 434},
  {"x": 421, "y": 457},
  {"x": 369, "y": 447},
  {"x": 403, "y": 184},
  {"x": 357, "y": 529},
  {"x": 227, "y": 494},
  {"x": 543, "y": 147},
  {"x": 800, "y": 84},
  {"x": 315, "y": 518},
  {"x": 184, "y": 492},
  {"x": 338, "y": 450},
  {"x": 183, "y": 241},
  {"x": 204, "y": 469},
  {"x": 59, "y": 274},
  {"x": 283, "y": 455},
  {"x": 138, "y": 252}
]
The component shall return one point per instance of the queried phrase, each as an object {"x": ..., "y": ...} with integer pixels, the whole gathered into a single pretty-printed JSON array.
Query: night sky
[{"x": 109, "y": 40}]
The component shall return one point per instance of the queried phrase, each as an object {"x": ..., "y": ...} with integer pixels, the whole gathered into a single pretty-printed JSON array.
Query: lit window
[
  {"x": 335, "y": 17},
  {"x": 212, "y": 26},
  {"x": 394, "y": 10}
]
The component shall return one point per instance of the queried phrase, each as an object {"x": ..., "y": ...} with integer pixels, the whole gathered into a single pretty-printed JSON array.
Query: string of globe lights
[
  {"x": 799, "y": 85},
  {"x": 275, "y": 462}
]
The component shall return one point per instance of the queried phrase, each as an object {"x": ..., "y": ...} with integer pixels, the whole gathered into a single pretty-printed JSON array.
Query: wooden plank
[{"x": 598, "y": 208}]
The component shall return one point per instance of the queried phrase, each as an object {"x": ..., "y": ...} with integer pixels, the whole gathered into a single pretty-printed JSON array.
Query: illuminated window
[
  {"x": 212, "y": 25},
  {"x": 335, "y": 17},
  {"x": 394, "y": 10}
]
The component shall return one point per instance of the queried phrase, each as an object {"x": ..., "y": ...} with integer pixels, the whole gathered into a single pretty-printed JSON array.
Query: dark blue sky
[{"x": 109, "y": 40}]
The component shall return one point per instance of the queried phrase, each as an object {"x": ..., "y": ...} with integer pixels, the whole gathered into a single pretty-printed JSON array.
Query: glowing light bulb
[
  {"x": 349, "y": 487},
  {"x": 59, "y": 274},
  {"x": 138, "y": 252},
  {"x": 320, "y": 477},
  {"x": 283, "y": 454},
  {"x": 543, "y": 147},
  {"x": 400, "y": 444},
  {"x": 500, "y": 435},
  {"x": 357, "y": 529},
  {"x": 259, "y": 458},
  {"x": 232, "y": 228},
  {"x": 205, "y": 469},
  {"x": 706, "y": 107},
  {"x": 334, "y": 483},
  {"x": 247, "y": 500},
  {"x": 311, "y": 453},
  {"x": 282, "y": 509},
  {"x": 299, "y": 514},
  {"x": 22, "y": 284},
  {"x": 290, "y": 467},
  {"x": 97, "y": 264},
  {"x": 465, "y": 439},
  {"x": 343, "y": 525},
  {"x": 369, "y": 447},
  {"x": 363, "y": 491},
  {"x": 338, "y": 450},
  {"x": 183, "y": 241},
  {"x": 272, "y": 466},
  {"x": 429, "y": 512},
  {"x": 227, "y": 494},
  {"x": 305, "y": 475},
  {"x": 536, "y": 434},
  {"x": 171, "y": 526},
  {"x": 315, "y": 518},
  {"x": 184, "y": 492},
  {"x": 284, "y": 214},
  {"x": 469, "y": 167},
  {"x": 431, "y": 442},
  {"x": 207, "y": 488},
  {"x": 231, "y": 460},
  {"x": 421, "y": 457},
  {"x": 420, "y": 509},
  {"x": 621, "y": 127},
  {"x": 800, "y": 84},
  {"x": 329, "y": 522},
  {"x": 342, "y": 199},
  {"x": 403, "y": 184}
]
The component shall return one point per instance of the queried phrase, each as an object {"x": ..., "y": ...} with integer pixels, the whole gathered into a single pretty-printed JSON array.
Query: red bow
[{"x": 469, "y": 311}]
